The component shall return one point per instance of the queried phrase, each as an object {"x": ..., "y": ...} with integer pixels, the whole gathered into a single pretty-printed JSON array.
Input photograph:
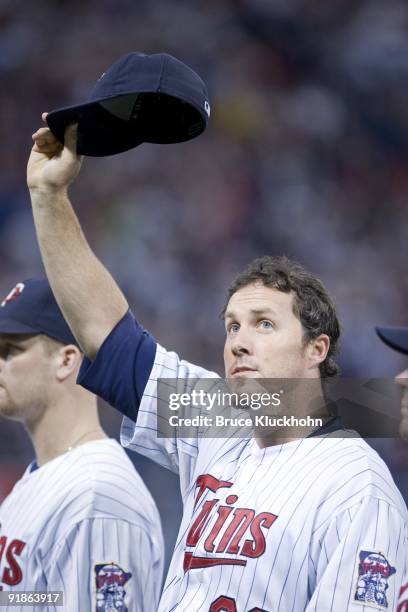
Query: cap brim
[
  {"x": 161, "y": 119},
  {"x": 99, "y": 132},
  {"x": 395, "y": 337},
  {"x": 9, "y": 326}
]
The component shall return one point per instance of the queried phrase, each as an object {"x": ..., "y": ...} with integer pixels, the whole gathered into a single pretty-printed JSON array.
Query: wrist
[{"x": 48, "y": 192}]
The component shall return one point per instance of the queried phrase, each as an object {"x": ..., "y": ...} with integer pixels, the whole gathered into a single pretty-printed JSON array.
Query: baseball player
[
  {"x": 307, "y": 524},
  {"x": 397, "y": 339},
  {"x": 80, "y": 520}
]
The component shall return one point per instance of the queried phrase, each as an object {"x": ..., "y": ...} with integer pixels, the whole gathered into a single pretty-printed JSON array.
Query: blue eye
[
  {"x": 233, "y": 328},
  {"x": 265, "y": 324}
]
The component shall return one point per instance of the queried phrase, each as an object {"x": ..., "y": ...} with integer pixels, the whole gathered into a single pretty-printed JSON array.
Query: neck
[
  {"x": 65, "y": 424},
  {"x": 276, "y": 437}
]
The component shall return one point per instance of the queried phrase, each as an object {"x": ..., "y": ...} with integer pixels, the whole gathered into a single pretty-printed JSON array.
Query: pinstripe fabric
[
  {"x": 403, "y": 597},
  {"x": 308, "y": 508},
  {"x": 86, "y": 507}
]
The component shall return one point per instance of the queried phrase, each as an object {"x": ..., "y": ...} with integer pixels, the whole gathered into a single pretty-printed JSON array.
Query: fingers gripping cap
[
  {"x": 140, "y": 98},
  {"x": 30, "y": 308}
]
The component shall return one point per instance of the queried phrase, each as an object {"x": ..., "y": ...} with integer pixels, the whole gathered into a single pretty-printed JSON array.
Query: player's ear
[
  {"x": 68, "y": 360},
  {"x": 317, "y": 350}
]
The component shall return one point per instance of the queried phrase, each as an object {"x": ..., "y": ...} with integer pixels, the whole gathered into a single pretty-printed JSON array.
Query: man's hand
[{"x": 53, "y": 166}]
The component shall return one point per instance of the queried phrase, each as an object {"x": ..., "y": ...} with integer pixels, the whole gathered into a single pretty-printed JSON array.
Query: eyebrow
[{"x": 229, "y": 314}]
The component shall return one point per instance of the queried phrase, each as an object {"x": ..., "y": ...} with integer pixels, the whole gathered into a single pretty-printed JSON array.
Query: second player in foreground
[
  {"x": 309, "y": 524},
  {"x": 80, "y": 520}
]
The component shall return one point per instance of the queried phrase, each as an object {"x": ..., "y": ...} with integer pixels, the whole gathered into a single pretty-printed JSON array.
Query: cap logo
[
  {"x": 207, "y": 108},
  {"x": 14, "y": 293}
]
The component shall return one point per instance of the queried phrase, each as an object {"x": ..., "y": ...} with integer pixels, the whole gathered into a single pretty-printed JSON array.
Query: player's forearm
[{"x": 88, "y": 296}]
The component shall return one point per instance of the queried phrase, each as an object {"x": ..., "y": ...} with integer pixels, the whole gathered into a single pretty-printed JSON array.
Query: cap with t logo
[{"x": 30, "y": 308}]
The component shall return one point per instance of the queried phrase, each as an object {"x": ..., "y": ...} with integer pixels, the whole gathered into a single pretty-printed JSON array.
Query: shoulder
[
  {"x": 115, "y": 484},
  {"x": 98, "y": 480},
  {"x": 350, "y": 470}
]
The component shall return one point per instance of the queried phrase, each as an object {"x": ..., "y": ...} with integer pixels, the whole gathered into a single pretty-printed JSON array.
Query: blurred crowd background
[{"x": 306, "y": 154}]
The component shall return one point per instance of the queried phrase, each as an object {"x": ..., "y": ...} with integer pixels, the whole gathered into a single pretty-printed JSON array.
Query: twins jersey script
[
  {"x": 85, "y": 524},
  {"x": 314, "y": 524},
  {"x": 403, "y": 598}
]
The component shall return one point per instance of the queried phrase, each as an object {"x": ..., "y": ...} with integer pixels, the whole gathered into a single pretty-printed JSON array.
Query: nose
[{"x": 241, "y": 344}]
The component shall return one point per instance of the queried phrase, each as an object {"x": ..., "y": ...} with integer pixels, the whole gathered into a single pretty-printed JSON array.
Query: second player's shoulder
[{"x": 113, "y": 481}]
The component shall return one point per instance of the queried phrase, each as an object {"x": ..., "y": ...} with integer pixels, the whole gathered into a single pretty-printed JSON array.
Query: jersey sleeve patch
[
  {"x": 110, "y": 581},
  {"x": 374, "y": 572}
]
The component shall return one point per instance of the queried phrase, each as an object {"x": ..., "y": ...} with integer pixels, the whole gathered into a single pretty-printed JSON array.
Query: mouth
[{"x": 239, "y": 370}]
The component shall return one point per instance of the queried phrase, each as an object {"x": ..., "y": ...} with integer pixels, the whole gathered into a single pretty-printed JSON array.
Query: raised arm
[{"x": 88, "y": 296}]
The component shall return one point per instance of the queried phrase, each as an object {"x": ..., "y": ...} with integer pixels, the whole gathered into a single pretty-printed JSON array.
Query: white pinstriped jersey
[
  {"x": 85, "y": 524},
  {"x": 311, "y": 525}
]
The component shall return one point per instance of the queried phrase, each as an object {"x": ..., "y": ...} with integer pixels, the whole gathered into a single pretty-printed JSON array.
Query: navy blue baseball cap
[
  {"x": 30, "y": 308},
  {"x": 140, "y": 98},
  {"x": 394, "y": 337}
]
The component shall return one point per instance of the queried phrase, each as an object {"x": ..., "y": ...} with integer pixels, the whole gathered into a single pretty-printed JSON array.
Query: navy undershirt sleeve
[{"x": 122, "y": 366}]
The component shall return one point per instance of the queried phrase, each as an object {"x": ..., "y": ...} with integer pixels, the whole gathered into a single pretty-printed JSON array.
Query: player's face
[
  {"x": 402, "y": 380},
  {"x": 264, "y": 337},
  {"x": 24, "y": 373}
]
